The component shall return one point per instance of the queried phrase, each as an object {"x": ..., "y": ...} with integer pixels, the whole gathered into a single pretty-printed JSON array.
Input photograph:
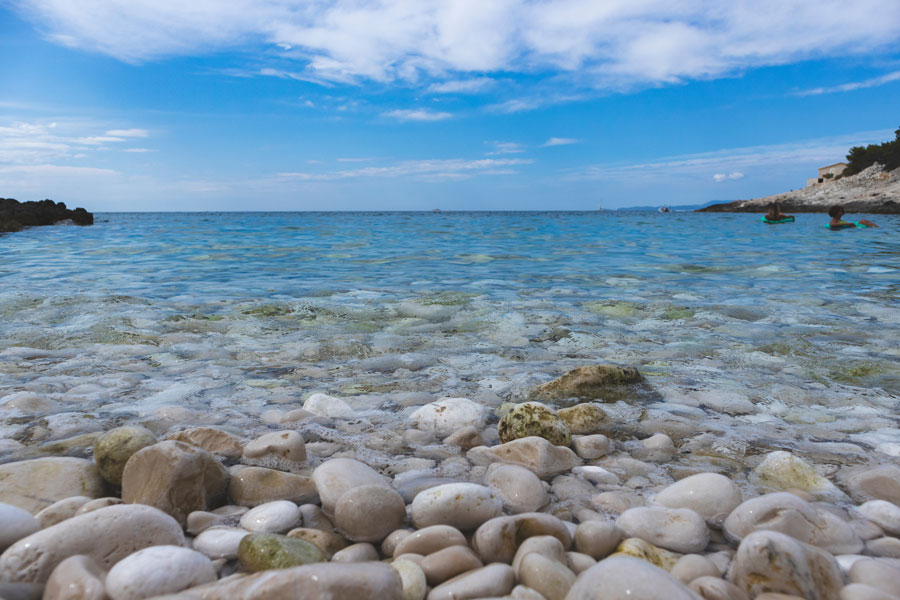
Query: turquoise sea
[{"x": 751, "y": 337}]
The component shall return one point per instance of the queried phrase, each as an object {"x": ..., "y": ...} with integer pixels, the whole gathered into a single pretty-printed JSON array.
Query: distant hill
[
  {"x": 874, "y": 190},
  {"x": 15, "y": 215},
  {"x": 675, "y": 207}
]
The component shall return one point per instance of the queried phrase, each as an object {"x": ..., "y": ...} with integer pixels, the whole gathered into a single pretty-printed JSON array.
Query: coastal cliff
[
  {"x": 15, "y": 215},
  {"x": 874, "y": 190}
]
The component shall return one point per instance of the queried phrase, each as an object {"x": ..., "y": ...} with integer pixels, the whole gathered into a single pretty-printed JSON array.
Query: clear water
[{"x": 751, "y": 336}]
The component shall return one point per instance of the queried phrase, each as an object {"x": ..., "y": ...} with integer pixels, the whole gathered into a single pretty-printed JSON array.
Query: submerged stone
[
  {"x": 116, "y": 446},
  {"x": 264, "y": 551},
  {"x": 590, "y": 382},
  {"x": 533, "y": 419}
]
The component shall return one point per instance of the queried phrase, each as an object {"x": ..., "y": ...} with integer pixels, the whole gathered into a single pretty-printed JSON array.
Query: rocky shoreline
[
  {"x": 549, "y": 500},
  {"x": 15, "y": 215},
  {"x": 873, "y": 191}
]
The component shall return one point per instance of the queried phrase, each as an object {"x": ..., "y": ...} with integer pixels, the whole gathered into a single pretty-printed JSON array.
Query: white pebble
[
  {"x": 272, "y": 517},
  {"x": 156, "y": 571}
]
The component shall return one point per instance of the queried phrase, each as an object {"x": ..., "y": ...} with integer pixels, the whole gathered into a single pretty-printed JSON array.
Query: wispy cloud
[
  {"x": 138, "y": 150},
  {"x": 505, "y": 148},
  {"x": 454, "y": 46},
  {"x": 417, "y": 114},
  {"x": 855, "y": 85},
  {"x": 128, "y": 133},
  {"x": 559, "y": 141},
  {"x": 462, "y": 86},
  {"x": 41, "y": 142},
  {"x": 436, "y": 169},
  {"x": 733, "y": 163}
]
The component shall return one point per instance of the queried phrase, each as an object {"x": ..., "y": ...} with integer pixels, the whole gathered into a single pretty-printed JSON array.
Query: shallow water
[{"x": 752, "y": 337}]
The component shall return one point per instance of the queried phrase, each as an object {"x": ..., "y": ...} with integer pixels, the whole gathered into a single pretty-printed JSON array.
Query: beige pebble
[
  {"x": 579, "y": 562},
  {"x": 328, "y": 542},
  {"x": 337, "y": 475},
  {"x": 623, "y": 578},
  {"x": 545, "y": 575},
  {"x": 252, "y": 486},
  {"x": 315, "y": 518},
  {"x": 876, "y": 573},
  {"x": 390, "y": 542},
  {"x": 360, "y": 552},
  {"x": 861, "y": 591},
  {"x": 492, "y": 580},
  {"x": 368, "y": 513},
  {"x": 78, "y": 577},
  {"x": 691, "y": 566},
  {"x": 98, "y": 503},
  {"x": 519, "y": 489},
  {"x": 466, "y": 438},
  {"x": 35, "y": 484},
  {"x": 448, "y": 563},
  {"x": 597, "y": 539},
  {"x": 414, "y": 585},
  {"x": 284, "y": 450},
  {"x": 61, "y": 510},
  {"x": 214, "y": 441},
  {"x": 497, "y": 539},
  {"x": 430, "y": 539},
  {"x": 617, "y": 502},
  {"x": 715, "y": 588},
  {"x": 546, "y": 545},
  {"x": 591, "y": 447},
  {"x": 461, "y": 505},
  {"x": 886, "y": 546}
]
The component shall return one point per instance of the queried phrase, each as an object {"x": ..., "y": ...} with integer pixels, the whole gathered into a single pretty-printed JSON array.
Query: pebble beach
[{"x": 557, "y": 406}]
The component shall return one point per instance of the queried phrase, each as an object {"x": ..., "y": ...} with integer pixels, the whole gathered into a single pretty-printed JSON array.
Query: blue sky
[{"x": 120, "y": 105}]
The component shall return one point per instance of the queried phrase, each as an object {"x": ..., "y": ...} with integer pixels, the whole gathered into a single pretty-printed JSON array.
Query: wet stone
[
  {"x": 519, "y": 489},
  {"x": 533, "y": 419},
  {"x": 113, "y": 450},
  {"x": 215, "y": 441},
  {"x": 624, "y": 578},
  {"x": 429, "y": 539},
  {"x": 284, "y": 450},
  {"x": 461, "y": 505},
  {"x": 78, "y": 577},
  {"x": 35, "y": 484},
  {"x": 492, "y": 580},
  {"x": 368, "y": 513},
  {"x": 448, "y": 563},
  {"x": 264, "y": 551},
  {"x": 156, "y": 571},
  {"x": 252, "y": 486}
]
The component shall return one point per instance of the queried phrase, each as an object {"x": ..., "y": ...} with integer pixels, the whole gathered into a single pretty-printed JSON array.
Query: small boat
[
  {"x": 664, "y": 209},
  {"x": 435, "y": 210}
]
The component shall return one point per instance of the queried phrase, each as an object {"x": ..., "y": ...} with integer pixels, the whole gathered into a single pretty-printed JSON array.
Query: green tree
[{"x": 888, "y": 154}]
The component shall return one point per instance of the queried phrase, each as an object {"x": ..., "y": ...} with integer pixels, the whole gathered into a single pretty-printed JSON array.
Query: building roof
[{"x": 835, "y": 165}]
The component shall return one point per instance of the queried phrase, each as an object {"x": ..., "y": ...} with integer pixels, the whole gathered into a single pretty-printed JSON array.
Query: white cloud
[
  {"x": 138, "y": 150},
  {"x": 720, "y": 177},
  {"x": 128, "y": 133},
  {"x": 436, "y": 169},
  {"x": 452, "y": 47},
  {"x": 558, "y": 141},
  {"x": 855, "y": 85},
  {"x": 417, "y": 114}
]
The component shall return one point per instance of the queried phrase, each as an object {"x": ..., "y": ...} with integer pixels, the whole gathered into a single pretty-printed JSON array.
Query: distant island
[
  {"x": 15, "y": 215},
  {"x": 869, "y": 182}
]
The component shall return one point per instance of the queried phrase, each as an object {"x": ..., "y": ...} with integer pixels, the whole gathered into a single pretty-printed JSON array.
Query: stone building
[{"x": 826, "y": 173}]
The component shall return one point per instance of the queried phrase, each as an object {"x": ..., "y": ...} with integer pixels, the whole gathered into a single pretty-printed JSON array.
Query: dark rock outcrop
[{"x": 15, "y": 215}]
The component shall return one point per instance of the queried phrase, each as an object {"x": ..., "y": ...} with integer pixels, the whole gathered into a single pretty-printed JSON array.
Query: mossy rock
[
  {"x": 533, "y": 419},
  {"x": 116, "y": 446},
  {"x": 590, "y": 383},
  {"x": 585, "y": 419},
  {"x": 265, "y": 551},
  {"x": 644, "y": 550}
]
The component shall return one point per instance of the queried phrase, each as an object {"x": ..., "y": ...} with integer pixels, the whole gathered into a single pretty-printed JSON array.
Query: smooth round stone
[
  {"x": 710, "y": 495},
  {"x": 315, "y": 518},
  {"x": 272, "y": 517},
  {"x": 465, "y": 438},
  {"x": 885, "y": 546},
  {"x": 769, "y": 561},
  {"x": 497, "y": 539},
  {"x": 545, "y": 575},
  {"x": 657, "y": 448},
  {"x": 638, "y": 548},
  {"x": 15, "y": 524},
  {"x": 447, "y": 415},
  {"x": 617, "y": 502},
  {"x": 579, "y": 562},
  {"x": 414, "y": 585},
  {"x": 676, "y": 529},
  {"x": 337, "y": 475},
  {"x": 324, "y": 405},
  {"x": 519, "y": 489},
  {"x": 461, "y": 505},
  {"x": 782, "y": 470},
  {"x": 715, "y": 588},
  {"x": 97, "y": 503},
  {"x": 545, "y": 545},
  {"x": 533, "y": 419},
  {"x": 535, "y": 454},
  {"x": 369, "y": 513},
  {"x": 861, "y": 591},
  {"x": 448, "y": 563},
  {"x": 321, "y": 581},
  {"x": 591, "y": 447},
  {"x": 691, "y": 566},
  {"x": 33, "y": 485},
  {"x": 156, "y": 571},
  {"x": 361, "y": 552},
  {"x": 30, "y": 403},
  {"x": 586, "y": 418},
  {"x": 61, "y": 510},
  {"x": 881, "y": 482},
  {"x": 113, "y": 450},
  {"x": 107, "y": 535},
  {"x": 220, "y": 542},
  {"x": 786, "y": 513},
  {"x": 395, "y": 537},
  {"x": 277, "y": 450},
  {"x": 597, "y": 539},
  {"x": 201, "y": 520},
  {"x": 883, "y": 513},
  {"x": 327, "y": 541},
  {"x": 77, "y": 578},
  {"x": 876, "y": 573},
  {"x": 214, "y": 441},
  {"x": 264, "y": 551},
  {"x": 492, "y": 580},
  {"x": 596, "y": 475},
  {"x": 627, "y": 578},
  {"x": 429, "y": 539},
  {"x": 252, "y": 486}
]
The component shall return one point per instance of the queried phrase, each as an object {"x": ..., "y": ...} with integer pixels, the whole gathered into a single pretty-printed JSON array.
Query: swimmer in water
[{"x": 837, "y": 211}]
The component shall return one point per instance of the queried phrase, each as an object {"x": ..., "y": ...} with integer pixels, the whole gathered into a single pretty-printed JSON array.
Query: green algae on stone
[
  {"x": 585, "y": 418},
  {"x": 644, "y": 550},
  {"x": 265, "y": 551},
  {"x": 617, "y": 309},
  {"x": 114, "y": 449},
  {"x": 590, "y": 382},
  {"x": 533, "y": 419}
]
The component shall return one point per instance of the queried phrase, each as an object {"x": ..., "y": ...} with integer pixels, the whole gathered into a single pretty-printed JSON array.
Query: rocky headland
[
  {"x": 549, "y": 503},
  {"x": 15, "y": 215},
  {"x": 873, "y": 191}
]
